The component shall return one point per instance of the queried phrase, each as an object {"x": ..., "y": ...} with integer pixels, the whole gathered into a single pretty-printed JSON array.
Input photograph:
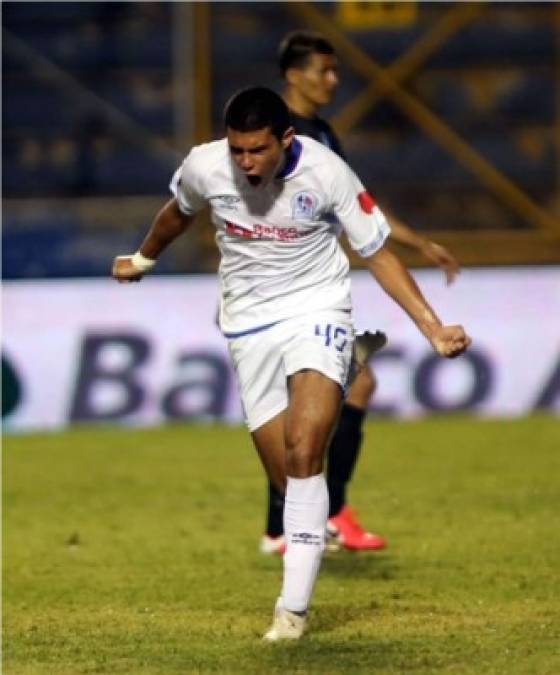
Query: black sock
[
  {"x": 342, "y": 455},
  {"x": 275, "y": 518}
]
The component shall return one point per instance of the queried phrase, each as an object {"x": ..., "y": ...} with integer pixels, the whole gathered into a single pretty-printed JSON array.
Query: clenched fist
[
  {"x": 124, "y": 270},
  {"x": 128, "y": 268},
  {"x": 449, "y": 341}
]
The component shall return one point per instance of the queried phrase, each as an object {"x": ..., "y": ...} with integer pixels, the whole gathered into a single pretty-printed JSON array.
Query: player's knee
[{"x": 304, "y": 454}]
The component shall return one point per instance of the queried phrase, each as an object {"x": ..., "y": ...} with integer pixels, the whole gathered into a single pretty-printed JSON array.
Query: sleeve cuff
[
  {"x": 184, "y": 207},
  {"x": 376, "y": 243}
]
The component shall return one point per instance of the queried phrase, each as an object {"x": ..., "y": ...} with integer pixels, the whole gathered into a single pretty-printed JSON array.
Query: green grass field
[{"x": 136, "y": 552}]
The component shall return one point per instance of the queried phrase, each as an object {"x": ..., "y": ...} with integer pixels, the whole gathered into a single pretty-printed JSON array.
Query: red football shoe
[{"x": 351, "y": 535}]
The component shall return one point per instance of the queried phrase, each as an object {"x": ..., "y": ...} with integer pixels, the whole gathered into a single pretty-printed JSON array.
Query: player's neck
[{"x": 298, "y": 104}]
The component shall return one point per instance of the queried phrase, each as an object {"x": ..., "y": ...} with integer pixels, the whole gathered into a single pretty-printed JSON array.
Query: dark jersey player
[{"x": 309, "y": 68}]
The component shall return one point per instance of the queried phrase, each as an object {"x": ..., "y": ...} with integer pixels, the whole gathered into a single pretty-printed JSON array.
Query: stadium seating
[{"x": 493, "y": 83}]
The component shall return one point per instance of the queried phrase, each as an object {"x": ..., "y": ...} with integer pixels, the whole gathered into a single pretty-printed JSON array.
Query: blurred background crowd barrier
[{"x": 449, "y": 112}]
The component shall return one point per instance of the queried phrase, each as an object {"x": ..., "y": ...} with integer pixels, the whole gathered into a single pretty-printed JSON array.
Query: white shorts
[{"x": 264, "y": 359}]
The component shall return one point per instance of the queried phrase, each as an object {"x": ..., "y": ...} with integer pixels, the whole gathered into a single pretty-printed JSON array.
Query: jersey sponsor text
[{"x": 257, "y": 231}]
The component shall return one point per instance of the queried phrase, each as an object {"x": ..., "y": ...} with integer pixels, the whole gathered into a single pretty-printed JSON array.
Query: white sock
[{"x": 305, "y": 519}]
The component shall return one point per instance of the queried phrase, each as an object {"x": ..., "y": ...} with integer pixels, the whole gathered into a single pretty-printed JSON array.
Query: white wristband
[{"x": 142, "y": 263}]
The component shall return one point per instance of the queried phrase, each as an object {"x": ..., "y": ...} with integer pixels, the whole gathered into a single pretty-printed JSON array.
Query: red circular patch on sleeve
[{"x": 367, "y": 202}]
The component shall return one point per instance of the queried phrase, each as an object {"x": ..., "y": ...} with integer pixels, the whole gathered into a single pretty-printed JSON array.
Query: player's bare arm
[
  {"x": 393, "y": 277},
  {"x": 168, "y": 224},
  {"x": 435, "y": 253}
]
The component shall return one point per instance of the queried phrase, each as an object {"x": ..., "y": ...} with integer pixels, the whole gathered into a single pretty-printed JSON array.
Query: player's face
[
  {"x": 317, "y": 80},
  {"x": 259, "y": 154}
]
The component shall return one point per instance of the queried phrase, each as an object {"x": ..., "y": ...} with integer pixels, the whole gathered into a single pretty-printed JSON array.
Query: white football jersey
[{"x": 280, "y": 255}]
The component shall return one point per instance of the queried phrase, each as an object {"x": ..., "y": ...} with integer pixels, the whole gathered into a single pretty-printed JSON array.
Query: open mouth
[{"x": 254, "y": 180}]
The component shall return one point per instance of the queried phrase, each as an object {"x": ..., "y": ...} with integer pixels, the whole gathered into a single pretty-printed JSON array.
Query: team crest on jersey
[
  {"x": 227, "y": 201},
  {"x": 304, "y": 205}
]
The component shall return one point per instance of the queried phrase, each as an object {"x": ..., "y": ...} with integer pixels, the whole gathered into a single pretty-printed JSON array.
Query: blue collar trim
[{"x": 293, "y": 153}]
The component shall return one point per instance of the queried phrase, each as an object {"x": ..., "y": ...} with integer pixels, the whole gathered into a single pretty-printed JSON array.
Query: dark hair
[
  {"x": 257, "y": 108},
  {"x": 297, "y": 46}
]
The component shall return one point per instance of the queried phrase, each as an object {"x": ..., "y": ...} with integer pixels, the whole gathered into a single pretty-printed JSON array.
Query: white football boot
[{"x": 286, "y": 625}]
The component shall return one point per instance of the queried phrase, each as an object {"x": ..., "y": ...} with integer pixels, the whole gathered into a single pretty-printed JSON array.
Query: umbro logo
[
  {"x": 306, "y": 538},
  {"x": 227, "y": 201}
]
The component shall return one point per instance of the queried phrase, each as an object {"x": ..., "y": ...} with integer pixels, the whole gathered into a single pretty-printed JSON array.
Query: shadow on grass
[
  {"x": 360, "y": 654},
  {"x": 364, "y": 564},
  {"x": 334, "y": 616}
]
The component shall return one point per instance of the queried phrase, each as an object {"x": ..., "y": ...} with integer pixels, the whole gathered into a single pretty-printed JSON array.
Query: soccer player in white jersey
[{"x": 285, "y": 304}]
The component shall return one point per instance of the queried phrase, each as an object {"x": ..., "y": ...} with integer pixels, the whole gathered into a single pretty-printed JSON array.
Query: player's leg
[
  {"x": 311, "y": 414},
  {"x": 270, "y": 443},
  {"x": 342, "y": 456},
  {"x": 292, "y": 447},
  {"x": 347, "y": 440},
  {"x": 305, "y": 392},
  {"x": 259, "y": 362},
  {"x": 343, "y": 453},
  {"x": 317, "y": 360}
]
